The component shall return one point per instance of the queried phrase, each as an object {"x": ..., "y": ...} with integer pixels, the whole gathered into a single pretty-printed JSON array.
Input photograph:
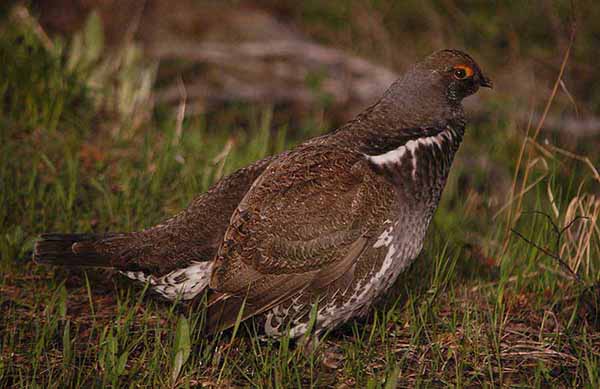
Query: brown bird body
[{"x": 326, "y": 227}]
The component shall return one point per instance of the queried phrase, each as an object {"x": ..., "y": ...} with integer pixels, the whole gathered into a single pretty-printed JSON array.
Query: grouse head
[
  {"x": 455, "y": 72},
  {"x": 430, "y": 93}
]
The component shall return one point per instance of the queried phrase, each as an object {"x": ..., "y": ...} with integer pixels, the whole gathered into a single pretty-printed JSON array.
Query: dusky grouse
[{"x": 332, "y": 222}]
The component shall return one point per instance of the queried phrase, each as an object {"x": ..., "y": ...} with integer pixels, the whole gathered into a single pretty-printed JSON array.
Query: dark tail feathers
[{"x": 71, "y": 250}]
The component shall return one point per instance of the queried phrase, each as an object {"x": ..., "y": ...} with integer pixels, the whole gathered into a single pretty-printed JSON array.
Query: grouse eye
[{"x": 462, "y": 71}]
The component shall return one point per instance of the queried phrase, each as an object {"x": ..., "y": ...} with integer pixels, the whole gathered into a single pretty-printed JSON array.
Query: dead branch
[
  {"x": 559, "y": 233},
  {"x": 275, "y": 72}
]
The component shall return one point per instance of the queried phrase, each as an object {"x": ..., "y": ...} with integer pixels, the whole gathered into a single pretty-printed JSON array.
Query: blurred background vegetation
[{"x": 114, "y": 114}]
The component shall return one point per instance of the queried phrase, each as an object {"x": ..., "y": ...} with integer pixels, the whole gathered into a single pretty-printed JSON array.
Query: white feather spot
[
  {"x": 298, "y": 330},
  {"x": 392, "y": 156},
  {"x": 385, "y": 238}
]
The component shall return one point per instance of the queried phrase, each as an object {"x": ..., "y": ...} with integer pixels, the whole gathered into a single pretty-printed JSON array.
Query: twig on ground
[{"x": 559, "y": 232}]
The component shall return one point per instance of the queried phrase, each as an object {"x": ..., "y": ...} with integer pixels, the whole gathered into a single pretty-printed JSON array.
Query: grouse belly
[{"x": 387, "y": 256}]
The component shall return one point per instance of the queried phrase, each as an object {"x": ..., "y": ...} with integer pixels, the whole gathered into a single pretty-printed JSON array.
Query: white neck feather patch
[{"x": 395, "y": 156}]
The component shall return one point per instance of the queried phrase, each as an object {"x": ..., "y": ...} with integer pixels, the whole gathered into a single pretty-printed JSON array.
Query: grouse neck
[
  {"x": 408, "y": 110},
  {"x": 380, "y": 129}
]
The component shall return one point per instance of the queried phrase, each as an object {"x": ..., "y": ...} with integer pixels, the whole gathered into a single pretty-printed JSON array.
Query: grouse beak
[{"x": 486, "y": 82}]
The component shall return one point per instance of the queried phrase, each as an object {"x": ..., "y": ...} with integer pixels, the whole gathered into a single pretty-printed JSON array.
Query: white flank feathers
[{"x": 184, "y": 284}]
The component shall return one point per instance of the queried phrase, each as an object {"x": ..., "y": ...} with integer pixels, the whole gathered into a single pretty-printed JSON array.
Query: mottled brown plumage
[{"x": 333, "y": 221}]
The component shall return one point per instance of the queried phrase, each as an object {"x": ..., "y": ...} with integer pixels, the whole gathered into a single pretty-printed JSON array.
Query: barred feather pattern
[{"x": 180, "y": 284}]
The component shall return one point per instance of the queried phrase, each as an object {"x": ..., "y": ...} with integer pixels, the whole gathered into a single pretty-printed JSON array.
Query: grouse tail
[{"x": 72, "y": 250}]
